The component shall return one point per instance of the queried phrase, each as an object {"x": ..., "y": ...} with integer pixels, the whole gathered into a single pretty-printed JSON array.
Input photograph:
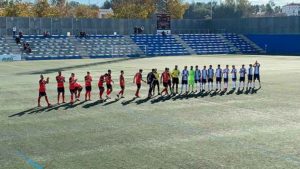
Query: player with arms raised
[
  {"x": 42, "y": 90},
  {"x": 60, "y": 87},
  {"x": 256, "y": 73},
  {"x": 88, "y": 86}
]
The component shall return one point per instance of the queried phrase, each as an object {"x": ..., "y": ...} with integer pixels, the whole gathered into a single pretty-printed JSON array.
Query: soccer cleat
[
  {"x": 49, "y": 105},
  {"x": 107, "y": 97},
  {"x": 118, "y": 95}
]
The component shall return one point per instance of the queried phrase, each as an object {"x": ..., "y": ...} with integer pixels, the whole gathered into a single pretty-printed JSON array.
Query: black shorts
[
  {"x": 101, "y": 88},
  {"x": 78, "y": 89},
  {"x": 41, "y": 94},
  {"x": 250, "y": 77},
  {"x": 204, "y": 81},
  {"x": 210, "y": 80},
  {"x": 109, "y": 86},
  {"x": 197, "y": 80},
  {"x": 184, "y": 82},
  {"x": 165, "y": 84},
  {"x": 138, "y": 85},
  {"x": 225, "y": 80},
  {"x": 73, "y": 91},
  {"x": 242, "y": 79},
  {"x": 169, "y": 82},
  {"x": 175, "y": 80},
  {"x": 256, "y": 77},
  {"x": 155, "y": 82},
  {"x": 218, "y": 79},
  {"x": 88, "y": 88},
  {"x": 60, "y": 90},
  {"x": 122, "y": 87},
  {"x": 234, "y": 79}
]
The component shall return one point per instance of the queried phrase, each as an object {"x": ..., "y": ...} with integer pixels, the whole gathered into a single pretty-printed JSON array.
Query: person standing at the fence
[{"x": 14, "y": 31}]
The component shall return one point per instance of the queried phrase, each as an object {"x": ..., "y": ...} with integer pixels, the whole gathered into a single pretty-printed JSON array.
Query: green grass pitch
[{"x": 260, "y": 130}]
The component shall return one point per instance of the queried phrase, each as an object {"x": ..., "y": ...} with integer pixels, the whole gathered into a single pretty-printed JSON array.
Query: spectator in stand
[
  {"x": 163, "y": 33},
  {"x": 18, "y": 40},
  {"x": 14, "y": 31},
  {"x": 135, "y": 29},
  {"x": 21, "y": 34},
  {"x": 46, "y": 34}
]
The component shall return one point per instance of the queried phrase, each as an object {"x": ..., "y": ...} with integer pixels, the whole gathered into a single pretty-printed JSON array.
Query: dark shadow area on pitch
[
  {"x": 205, "y": 94},
  {"x": 86, "y": 106},
  {"x": 231, "y": 92},
  {"x": 71, "y": 106},
  {"x": 240, "y": 92},
  {"x": 141, "y": 101},
  {"x": 214, "y": 93},
  {"x": 124, "y": 103},
  {"x": 111, "y": 102},
  {"x": 30, "y": 111},
  {"x": 46, "y": 71},
  {"x": 161, "y": 99},
  {"x": 222, "y": 93},
  {"x": 254, "y": 91},
  {"x": 57, "y": 107}
]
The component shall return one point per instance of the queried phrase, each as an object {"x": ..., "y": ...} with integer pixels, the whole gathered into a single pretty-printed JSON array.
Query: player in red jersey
[
  {"x": 42, "y": 90},
  {"x": 166, "y": 80},
  {"x": 101, "y": 86},
  {"x": 72, "y": 82},
  {"x": 78, "y": 89},
  {"x": 137, "y": 79},
  {"x": 88, "y": 86},
  {"x": 60, "y": 87},
  {"x": 109, "y": 81},
  {"x": 122, "y": 85}
]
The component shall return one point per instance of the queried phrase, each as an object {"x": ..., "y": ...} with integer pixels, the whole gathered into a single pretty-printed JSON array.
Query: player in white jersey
[
  {"x": 233, "y": 77},
  {"x": 203, "y": 78},
  {"x": 250, "y": 77},
  {"x": 210, "y": 73},
  {"x": 218, "y": 78},
  {"x": 198, "y": 78},
  {"x": 243, "y": 73},
  {"x": 184, "y": 80},
  {"x": 256, "y": 73},
  {"x": 225, "y": 76}
]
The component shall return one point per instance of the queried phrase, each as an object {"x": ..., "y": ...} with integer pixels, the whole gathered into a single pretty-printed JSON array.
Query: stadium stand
[
  {"x": 277, "y": 44},
  {"x": 158, "y": 45},
  {"x": 5, "y": 47},
  {"x": 106, "y": 46},
  {"x": 46, "y": 48},
  {"x": 207, "y": 43},
  {"x": 241, "y": 43}
]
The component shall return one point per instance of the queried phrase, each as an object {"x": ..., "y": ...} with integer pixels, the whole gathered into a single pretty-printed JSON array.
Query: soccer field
[{"x": 260, "y": 130}]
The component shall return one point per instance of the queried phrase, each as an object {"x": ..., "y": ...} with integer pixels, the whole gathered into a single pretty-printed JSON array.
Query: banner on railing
[{"x": 10, "y": 58}]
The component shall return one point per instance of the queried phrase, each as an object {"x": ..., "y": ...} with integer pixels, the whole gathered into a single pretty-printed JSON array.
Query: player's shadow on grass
[
  {"x": 86, "y": 106},
  {"x": 124, "y": 103},
  {"x": 230, "y": 92},
  {"x": 239, "y": 92},
  {"x": 214, "y": 93},
  {"x": 71, "y": 106},
  {"x": 141, "y": 101},
  {"x": 46, "y": 71},
  {"x": 30, "y": 111},
  {"x": 111, "y": 102},
  {"x": 162, "y": 99},
  {"x": 254, "y": 91},
  {"x": 57, "y": 107}
]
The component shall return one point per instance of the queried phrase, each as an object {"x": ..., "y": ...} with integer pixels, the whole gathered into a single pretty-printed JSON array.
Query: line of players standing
[{"x": 190, "y": 79}]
